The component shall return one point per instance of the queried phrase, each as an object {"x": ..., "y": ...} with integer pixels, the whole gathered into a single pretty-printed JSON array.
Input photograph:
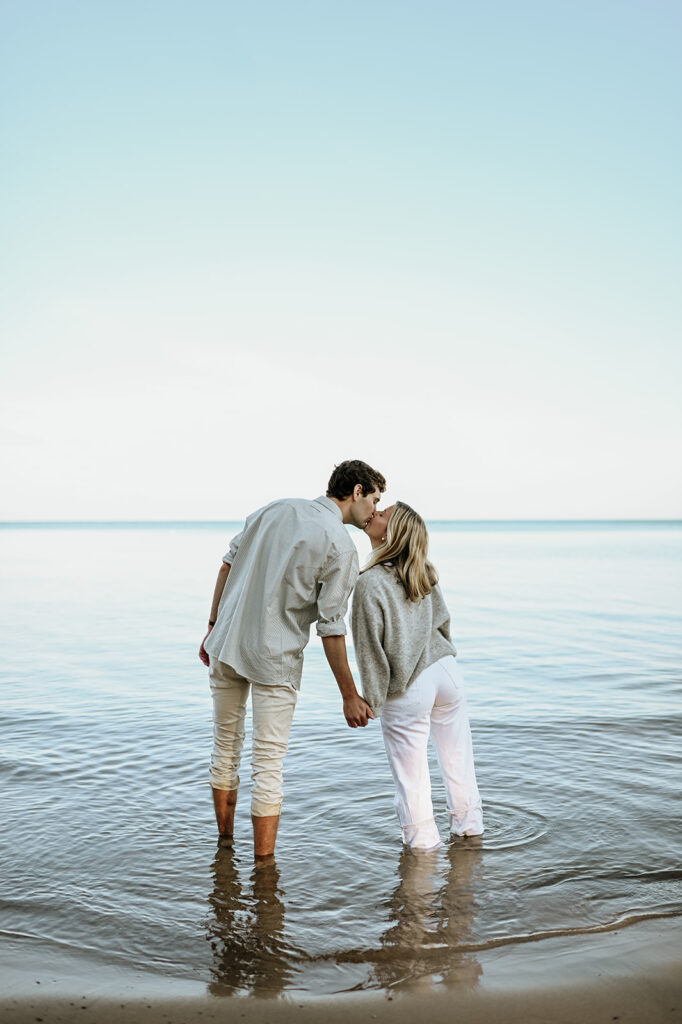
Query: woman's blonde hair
[{"x": 406, "y": 547}]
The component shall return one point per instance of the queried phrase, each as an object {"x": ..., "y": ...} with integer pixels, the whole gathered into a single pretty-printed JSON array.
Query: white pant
[
  {"x": 434, "y": 704},
  {"x": 273, "y": 710}
]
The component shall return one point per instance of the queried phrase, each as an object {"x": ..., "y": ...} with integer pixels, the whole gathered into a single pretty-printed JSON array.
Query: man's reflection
[
  {"x": 430, "y": 916},
  {"x": 249, "y": 954}
]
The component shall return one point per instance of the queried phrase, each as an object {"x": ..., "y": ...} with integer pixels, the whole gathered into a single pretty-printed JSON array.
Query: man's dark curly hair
[{"x": 347, "y": 474}]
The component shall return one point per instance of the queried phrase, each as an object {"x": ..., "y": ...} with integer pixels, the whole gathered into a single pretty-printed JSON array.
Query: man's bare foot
[{"x": 225, "y": 842}]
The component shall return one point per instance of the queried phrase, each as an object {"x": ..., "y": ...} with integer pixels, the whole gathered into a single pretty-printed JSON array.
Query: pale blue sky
[{"x": 244, "y": 241}]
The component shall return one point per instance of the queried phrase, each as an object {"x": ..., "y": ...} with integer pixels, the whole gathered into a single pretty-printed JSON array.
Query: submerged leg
[
  {"x": 452, "y": 739},
  {"x": 264, "y": 837},
  {"x": 405, "y": 723},
  {"x": 273, "y": 710},
  {"x": 224, "y": 803},
  {"x": 230, "y": 692}
]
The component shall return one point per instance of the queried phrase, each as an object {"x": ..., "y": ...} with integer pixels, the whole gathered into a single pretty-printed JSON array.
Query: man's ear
[{"x": 357, "y": 491}]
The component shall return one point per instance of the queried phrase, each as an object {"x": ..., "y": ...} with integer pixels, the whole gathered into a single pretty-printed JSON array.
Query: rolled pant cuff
[
  {"x": 467, "y": 823},
  {"x": 223, "y": 783},
  {"x": 423, "y": 835},
  {"x": 259, "y": 809}
]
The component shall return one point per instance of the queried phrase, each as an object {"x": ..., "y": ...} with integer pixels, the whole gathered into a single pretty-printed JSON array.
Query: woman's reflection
[
  {"x": 249, "y": 954},
  {"x": 431, "y": 914}
]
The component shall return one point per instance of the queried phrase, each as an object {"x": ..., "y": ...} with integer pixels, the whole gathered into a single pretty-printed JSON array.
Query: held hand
[
  {"x": 357, "y": 711},
  {"x": 202, "y": 652}
]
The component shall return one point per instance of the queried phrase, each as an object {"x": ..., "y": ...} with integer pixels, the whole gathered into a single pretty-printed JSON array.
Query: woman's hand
[{"x": 357, "y": 711}]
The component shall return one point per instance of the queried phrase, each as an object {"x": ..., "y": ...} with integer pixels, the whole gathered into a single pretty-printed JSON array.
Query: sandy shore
[{"x": 627, "y": 975}]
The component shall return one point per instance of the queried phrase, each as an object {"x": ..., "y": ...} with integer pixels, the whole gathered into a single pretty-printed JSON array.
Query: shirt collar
[{"x": 329, "y": 504}]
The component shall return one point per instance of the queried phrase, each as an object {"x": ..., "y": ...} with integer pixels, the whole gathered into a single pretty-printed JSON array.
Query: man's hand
[
  {"x": 202, "y": 651},
  {"x": 357, "y": 711},
  {"x": 223, "y": 573}
]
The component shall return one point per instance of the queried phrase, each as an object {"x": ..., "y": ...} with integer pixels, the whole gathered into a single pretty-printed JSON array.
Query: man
[{"x": 292, "y": 564}]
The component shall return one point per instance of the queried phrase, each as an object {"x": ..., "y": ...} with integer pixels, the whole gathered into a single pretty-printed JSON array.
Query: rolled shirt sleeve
[
  {"x": 228, "y": 557},
  {"x": 336, "y": 581}
]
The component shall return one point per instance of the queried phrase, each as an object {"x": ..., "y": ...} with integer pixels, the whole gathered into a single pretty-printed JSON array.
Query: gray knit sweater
[{"x": 394, "y": 638}]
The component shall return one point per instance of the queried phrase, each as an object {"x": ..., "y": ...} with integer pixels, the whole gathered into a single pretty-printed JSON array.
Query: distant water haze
[{"x": 570, "y": 642}]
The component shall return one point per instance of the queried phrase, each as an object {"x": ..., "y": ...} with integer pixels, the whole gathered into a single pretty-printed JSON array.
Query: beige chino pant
[{"x": 273, "y": 709}]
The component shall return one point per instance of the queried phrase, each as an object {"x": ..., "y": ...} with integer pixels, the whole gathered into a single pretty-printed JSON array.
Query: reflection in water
[
  {"x": 459, "y": 908},
  {"x": 431, "y": 913},
  {"x": 430, "y": 918},
  {"x": 249, "y": 954}
]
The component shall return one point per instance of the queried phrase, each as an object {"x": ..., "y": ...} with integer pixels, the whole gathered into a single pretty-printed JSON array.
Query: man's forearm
[
  {"x": 355, "y": 708},
  {"x": 335, "y": 651},
  {"x": 223, "y": 573}
]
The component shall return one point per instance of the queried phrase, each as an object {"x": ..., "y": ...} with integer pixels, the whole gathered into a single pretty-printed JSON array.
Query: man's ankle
[
  {"x": 224, "y": 803},
  {"x": 263, "y": 860}
]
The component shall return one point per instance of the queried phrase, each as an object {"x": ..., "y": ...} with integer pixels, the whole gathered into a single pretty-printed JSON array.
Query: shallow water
[{"x": 570, "y": 641}]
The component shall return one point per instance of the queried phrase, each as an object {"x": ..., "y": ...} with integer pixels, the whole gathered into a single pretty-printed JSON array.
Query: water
[{"x": 570, "y": 641}]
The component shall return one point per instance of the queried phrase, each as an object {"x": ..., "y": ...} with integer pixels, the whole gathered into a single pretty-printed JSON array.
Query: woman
[{"x": 411, "y": 680}]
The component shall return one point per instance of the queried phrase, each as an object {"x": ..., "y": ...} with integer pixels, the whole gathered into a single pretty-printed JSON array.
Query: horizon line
[{"x": 219, "y": 522}]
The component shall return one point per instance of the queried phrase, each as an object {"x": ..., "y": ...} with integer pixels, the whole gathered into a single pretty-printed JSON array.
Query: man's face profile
[{"x": 363, "y": 506}]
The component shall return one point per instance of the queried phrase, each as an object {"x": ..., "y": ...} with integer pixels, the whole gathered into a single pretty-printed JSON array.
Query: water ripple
[{"x": 570, "y": 645}]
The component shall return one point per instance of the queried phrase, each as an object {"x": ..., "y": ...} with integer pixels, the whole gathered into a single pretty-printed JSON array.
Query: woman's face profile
[{"x": 376, "y": 527}]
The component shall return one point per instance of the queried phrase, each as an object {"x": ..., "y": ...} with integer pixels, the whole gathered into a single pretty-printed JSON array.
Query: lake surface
[{"x": 570, "y": 639}]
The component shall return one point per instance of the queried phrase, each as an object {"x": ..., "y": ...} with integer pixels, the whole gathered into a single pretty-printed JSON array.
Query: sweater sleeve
[
  {"x": 367, "y": 625},
  {"x": 441, "y": 615}
]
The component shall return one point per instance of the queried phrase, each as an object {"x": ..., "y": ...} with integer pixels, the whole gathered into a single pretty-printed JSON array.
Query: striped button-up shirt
[{"x": 294, "y": 563}]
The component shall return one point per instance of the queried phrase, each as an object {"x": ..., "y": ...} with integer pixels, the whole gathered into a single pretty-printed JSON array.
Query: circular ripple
[{"x": 508, "y": 826}]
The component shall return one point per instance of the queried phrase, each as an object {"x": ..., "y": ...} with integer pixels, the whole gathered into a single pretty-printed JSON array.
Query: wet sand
[{"x": 627, "y": 975}]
